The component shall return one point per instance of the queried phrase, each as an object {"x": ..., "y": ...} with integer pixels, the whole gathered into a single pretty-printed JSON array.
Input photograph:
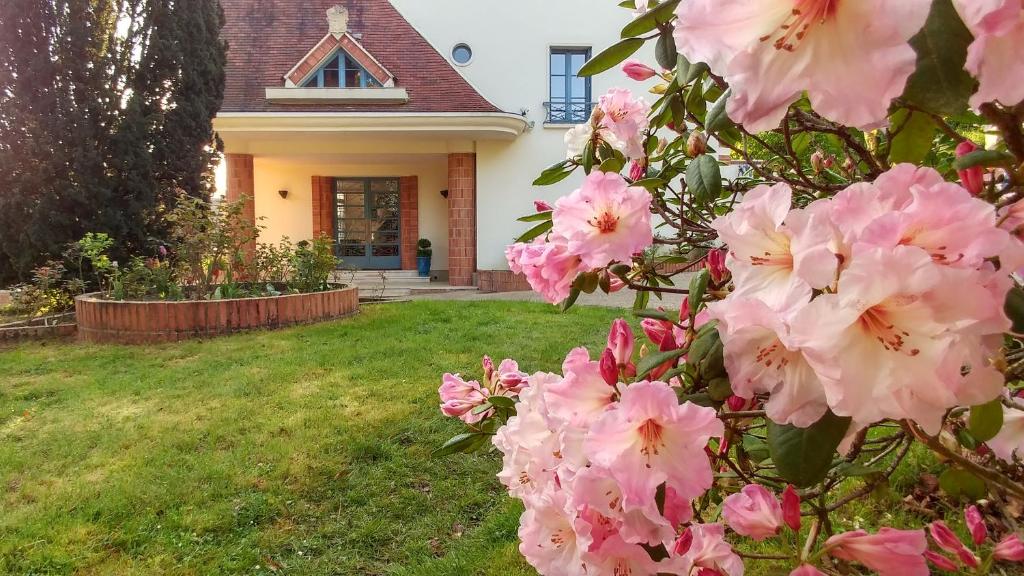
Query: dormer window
[{"x": 341, "y": 71}]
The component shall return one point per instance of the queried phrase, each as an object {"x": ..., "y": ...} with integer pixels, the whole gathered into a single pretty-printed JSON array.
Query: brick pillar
[
  {"x": 409, "y": 202},
  {"x": 241, "y": 187},
  {"x": 323, "y": 206},
  {"x": 461, "y": 219}
]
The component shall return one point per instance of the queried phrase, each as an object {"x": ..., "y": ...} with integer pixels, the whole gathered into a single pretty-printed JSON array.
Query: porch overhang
[{"x": 446, "y": 125}]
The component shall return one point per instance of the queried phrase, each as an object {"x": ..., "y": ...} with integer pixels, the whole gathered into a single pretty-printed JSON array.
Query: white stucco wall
[
  {"x": 293, "y": 216},
  {"x": 511, "y": 43}
]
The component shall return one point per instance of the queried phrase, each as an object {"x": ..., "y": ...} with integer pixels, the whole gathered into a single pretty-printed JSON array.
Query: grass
[{"x": 303, "y": 451}]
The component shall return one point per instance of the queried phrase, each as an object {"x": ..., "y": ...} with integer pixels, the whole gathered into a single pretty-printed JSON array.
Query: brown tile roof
[{"x": 266, "y": 38}]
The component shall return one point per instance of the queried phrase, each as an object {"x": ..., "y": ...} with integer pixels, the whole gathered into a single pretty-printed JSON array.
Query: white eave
[
  {"x": 337, "y": 95},
  {"x": 472, "y": 125}
]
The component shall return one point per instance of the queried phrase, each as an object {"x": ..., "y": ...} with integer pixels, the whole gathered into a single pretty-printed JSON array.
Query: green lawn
[{"x": 304, "y": 451}]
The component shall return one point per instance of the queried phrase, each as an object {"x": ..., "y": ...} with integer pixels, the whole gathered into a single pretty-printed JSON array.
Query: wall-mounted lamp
[
  {"x": 444, "y": 194},
  {"x": 283, "y": 193}
]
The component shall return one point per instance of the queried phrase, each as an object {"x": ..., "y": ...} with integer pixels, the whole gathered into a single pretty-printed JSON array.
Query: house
[{"x": 378, "y": 123}]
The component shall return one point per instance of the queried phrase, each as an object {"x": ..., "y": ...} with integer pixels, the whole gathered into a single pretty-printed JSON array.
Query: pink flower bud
[
  {"x": 615, "y": 283},
  {"x": 683, "y": 543},
  {"x": 976, "y": 524},
  {"x": 684, "y": 309},
  {"x": 638, "y": 71},
  {"x": 848, "y": 165},
  {"x": 488, "y": 366},
  {"x": 754, "y": 512},
  {"x": 655, "y": 329},
  {"x": 668, "y": 342},
  {"x": 735, "y": 403},
  {"x": 459, "y": 398},
  {"x": 889, "y": 551},
  {"x": 791, "y": 508},
  {"x": 1010, "y": 549},
  {"x": 940, "y": 561},
  {"x": 806, "y": 570},
  {"x": 609, "y": 370},
  {"x": 542, "y": 206},
  {"x": 637, "y": 170},
  {"x": 696, "y": 144},
  {"x": 620, "y": 340},
  {"x": 817, "y": 161},
  {"x": 948, "y": 541},
  {"x": 973, "y": 179},
  {"x": 510, "y": 378},
  {"x": 715, "y": 263}
]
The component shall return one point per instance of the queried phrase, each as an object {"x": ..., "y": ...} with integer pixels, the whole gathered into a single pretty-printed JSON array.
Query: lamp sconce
[
  {"x": 283, "y": 193},
  {"x": 444, "y": 194}
]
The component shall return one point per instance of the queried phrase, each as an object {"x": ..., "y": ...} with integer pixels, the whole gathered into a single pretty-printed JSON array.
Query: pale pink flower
[
  {"x": 1009, "y": 442},
  {"x": 761, "y": 249},
  {"x": 753, "y": 512},
  {"x": 552, "y": 538},
  {"x": 1010, "y": 549},
  {"x": 582, "y": 395},
  {"x": 889, "y": 552},
  {"x": 850, "y": 60},
  {"x": 650, "y": 439},
  {"x": 459, "y": 398},
  {"x": 616, "y": 556},
  {"x": 976, "y": 525},
  {"x": 641, "y": 8},
  {"x": 577, "y": 138},
  {"x": 973, "y": 179},
  {"x": 625, "y": 117},
  {"x": 509, "y": 377},
  {"x": 708, "y": 549},
  {"x": 994, "y": 56},
  {"x": 605, "y": 221},
  {"x": 594, "y": 488},
  {"x": 549, "y": 267},
  {"x": 761, "y": 357},
  {"x": 620, "y": 341},
  {"x": 531, "y": 449},
  {"x": 806, "y": 570},
  {"x": 638, "y": 71}
]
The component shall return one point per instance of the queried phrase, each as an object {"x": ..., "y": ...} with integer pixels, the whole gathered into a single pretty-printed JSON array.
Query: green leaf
[
  {"x": 555, "y": 173},
  {"x": 643, "y": 297},
  {"x": 650, "y": 183},
  {"x": 756, "y": 448},
  {"x": 803, "y": 456},
  {"x": 986, "y": 158},
  {"x": 660, "y": 14},
  {"x": 914, "y": 139},
  {"x": 665, "y": 50},
  {"x": 655, "y": 314},
  {"x": 1014, "y": 308},
  {"x": 958, "y": 482},
  {"x": 704, "y": 178},
  {"x": 986, "y": 420},
  {"x": 612, "y": 165},
  {"x": 574, "y": 295},
  {"x": 501, "y": 401},
  {"x": 939, "y": 83},
  {"x": 536, "y": 231},
  {"x": 465, "y": 442},
  {"x": 655, "y": 359},
  {"x": 538, "y": 217},
  {"x": 611, "y": 56},
  {"x": 720, "y": 389},
  {"x": 698, "y": 286},
  {"x": 717, "y": 118},
  {"x": 852, "y": 469}
]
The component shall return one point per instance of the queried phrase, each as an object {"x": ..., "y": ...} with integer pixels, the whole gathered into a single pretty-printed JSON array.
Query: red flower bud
[
  {"x": 488, "y": 366},
  {"x": 609, "y": 369},
  {"x": 940, "y": 561},
  {"x": 683, "y": 543},
  {"x": 973, "y": 178},
  {"x": 638, "y": 71},
  {"x": 715, "y": 263},
  {"x": 976, "y": 524},
  {"x": 1010, "y": 549},
  {"x": 620, "y": 341},
  {"x": 542, "y": 206},
  {"x": 637, "y": 170},
  {"x": 791, "y": 508},
  {"x": 735, "y": 403}
]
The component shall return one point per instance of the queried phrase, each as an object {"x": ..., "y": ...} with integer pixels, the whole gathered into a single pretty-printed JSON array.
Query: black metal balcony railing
[{"x": 568, "y": 111}]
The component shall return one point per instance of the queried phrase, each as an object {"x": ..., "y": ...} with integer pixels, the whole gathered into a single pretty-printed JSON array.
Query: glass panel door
[{"x": 368, "y": 223}]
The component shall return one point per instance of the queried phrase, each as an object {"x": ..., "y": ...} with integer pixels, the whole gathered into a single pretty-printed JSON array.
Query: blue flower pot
[{"x": 423, "y": 266}]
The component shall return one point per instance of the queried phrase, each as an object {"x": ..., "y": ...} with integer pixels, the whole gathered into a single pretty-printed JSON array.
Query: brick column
[
  {"x": 409, "y": 202},
  {"x": 461, "y": 219},
  {"x": 241, "y": 187},
  {"x": 323, "y": 206}
]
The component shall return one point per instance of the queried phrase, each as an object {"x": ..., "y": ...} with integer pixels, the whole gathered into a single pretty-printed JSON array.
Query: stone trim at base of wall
[
  {"x": 501, "y": 281},
  {"x": 147, "y": 322}
]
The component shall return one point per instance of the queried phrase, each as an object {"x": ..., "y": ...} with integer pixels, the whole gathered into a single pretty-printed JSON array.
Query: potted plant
[{"x": 423, "y": 254}]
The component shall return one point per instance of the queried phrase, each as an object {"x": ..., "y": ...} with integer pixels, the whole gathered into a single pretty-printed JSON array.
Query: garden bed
[
  {"x": 140, "y": 322},
  {"x": 56, "y": 326}
]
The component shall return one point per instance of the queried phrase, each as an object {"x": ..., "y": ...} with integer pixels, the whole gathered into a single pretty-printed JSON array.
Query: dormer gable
[{"x": 339, "y": 61}]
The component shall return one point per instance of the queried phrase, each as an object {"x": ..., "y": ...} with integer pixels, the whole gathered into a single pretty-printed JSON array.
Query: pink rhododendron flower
[
  {"x": 708, "y": 549},
  {"x": 1010, "y": 549},
  {"x": 791, "y": 508},
  {"x": 637, "y": 70},
  {"x": 616, "y": 556},
  {"x": 508, "y": 376},
  {"x": 582, "y": 395},
  {"x": 604, "y": 221},
  {"x": 976, "y": 525},
  {"x": 973, "y": 179},
  {"x": 753, "y": 512},
  {"x": 621, "y": 341},
  {"x": 459, "y": 398},
  {"x": 595, "y": 489},
  {"x": 762, "y": 257},
  {"x": 994, "y": 56},
  {"x": 889, "y": 552},
  {"x": 849, "y": 60},
  {"x": 531, "y": 450},
  {"x": 626, "y": 118},
  {"x": 806, "y": 570},
  {"x": 549, "y": 267},
  {"x": 552, "y": 538},
  {"x": 762, "y": 357},
  {"x": 650, "y": 439},
  {"x": 1009, "y": 442}
]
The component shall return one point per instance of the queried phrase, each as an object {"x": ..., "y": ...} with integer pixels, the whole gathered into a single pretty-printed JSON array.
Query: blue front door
[{"x": 367, "y": 223}]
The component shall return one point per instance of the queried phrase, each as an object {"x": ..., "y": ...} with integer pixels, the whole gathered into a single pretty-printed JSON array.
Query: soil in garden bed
[{"x": 246, "y": 291}]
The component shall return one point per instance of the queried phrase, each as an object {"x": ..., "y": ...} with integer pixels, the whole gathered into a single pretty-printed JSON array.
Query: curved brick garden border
[{"x": 136, "y": 322}]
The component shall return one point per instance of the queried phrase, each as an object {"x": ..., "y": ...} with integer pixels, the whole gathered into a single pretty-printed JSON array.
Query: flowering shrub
[{"x": 858, "y": 296}]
